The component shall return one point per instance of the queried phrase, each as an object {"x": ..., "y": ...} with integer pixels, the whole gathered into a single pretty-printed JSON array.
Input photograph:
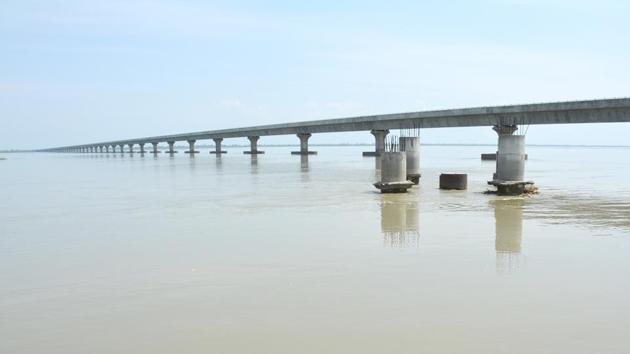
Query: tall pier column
[
  {"x": 510, "y": 169},
  {"x": 304, "y": 145},
  {"x": 142, "y": 148},
  {"x": 122, "y": 148},
  {"x": 379, "y": 143},
  {"x": 510, "y": 154},
  {"x": 171, "y": 147},
  {"x": 253, "y": 142},
  {"x": 217, "y": 147},
  {"x": 155, "y": 147},
  {"x": 130, "y": 148},
  {"x": 191, "y": 147},
  {"x": 411, "y": 147}
]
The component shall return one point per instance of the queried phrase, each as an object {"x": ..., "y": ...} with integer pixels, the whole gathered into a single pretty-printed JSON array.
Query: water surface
[{"x": 111, "y": 253}]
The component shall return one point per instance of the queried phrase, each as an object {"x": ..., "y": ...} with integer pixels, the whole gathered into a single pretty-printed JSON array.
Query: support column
[
  {"x": 510, "y": 164},
  {"x": 100, "y": 149},
  {"x": 253, "y": 141},
  {"x": 171, "y": 147},
  {"x": 217, "y": 147},
  {"x": 142, "y": 148},
  {"x": 509, "y": 177},
  {"x": 130, "y": 148},
  {"x": 155, "y": 147},
  {"x": 379, "y": 143},
  {"x": 191, "y": 147},
  {"x": 122, "y": 148},
  {"x": 411, "y": 147},
  {"x": 304, "y": 145}
]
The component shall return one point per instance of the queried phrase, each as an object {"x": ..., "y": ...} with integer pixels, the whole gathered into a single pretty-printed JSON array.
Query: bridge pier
[
  {"x": 304, "y": 145},
  {"x": 191, "y": 148},
  {"x": 509, "y": 177},
  {"x": 510, "y": 164},
  {"x": 411, "y": 147},
  {"x": 217, "y": 147},
  {"x": 130, "y": 148},
  {"x": 141, "y": 148},
  {"x": 171, "y": 147},
  {"x": 122, "y": 148},
  {"x": 253, "y": 142},
  {"x": 155, "y": 147},
  {"x": 379, "y": 142}
]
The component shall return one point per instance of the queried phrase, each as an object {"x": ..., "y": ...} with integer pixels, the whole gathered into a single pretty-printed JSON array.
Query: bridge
[{"x": 591, "y": 111}]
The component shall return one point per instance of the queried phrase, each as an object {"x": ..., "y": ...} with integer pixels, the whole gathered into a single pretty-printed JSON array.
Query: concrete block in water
[
  {"x": 257, "y": 152},
  {"x": 370, "y": 154},
  {"x": 216, "y": 152},
  {"x": 458, "y": 181},
  {"x": 492, "y": 157},
  {"x": 303, "y": 153}
]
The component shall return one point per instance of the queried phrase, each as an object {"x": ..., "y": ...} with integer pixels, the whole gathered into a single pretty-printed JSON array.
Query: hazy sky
[{"x": 82, "y": 71}]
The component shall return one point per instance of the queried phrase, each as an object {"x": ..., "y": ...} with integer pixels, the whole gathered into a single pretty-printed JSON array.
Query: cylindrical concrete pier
[
  {"x": 393, "y": 167},
  {"x": 411, "y": 147},
  {"x": 304, "y": 145},
  {"x": 253, "y": 143},
  {"x": 155, "y": 147},
  {"x": 379, "y": 143},
  {"x": 130, "y": 148},
  {"x": 457, "y": 181},
  {"x": 191, "y": 147},
  {"x": 171, "y": 147},
  {"x": 142, "y": 148},
  {"x": 511, "y": 158},
  {"x": 217, "y": 147},
  {"x": 393, "y": 173}
]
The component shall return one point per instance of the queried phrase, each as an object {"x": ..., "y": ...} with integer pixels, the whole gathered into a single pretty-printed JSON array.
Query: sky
[{"x": 74, "y": 72}]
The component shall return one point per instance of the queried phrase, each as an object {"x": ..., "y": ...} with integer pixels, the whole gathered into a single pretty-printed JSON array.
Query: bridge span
[{"x": 592, "y": 111}]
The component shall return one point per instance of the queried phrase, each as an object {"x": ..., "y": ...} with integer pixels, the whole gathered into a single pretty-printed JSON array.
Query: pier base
[
  {"x": 257, "y": 152},
  {"x": 218, "y": 152},
  {"x": 370, "y": 154},
  {"x": 303, "y": 152},
  {"x": 393, "y": 187},
  {"x": 414, "y": 178},
  {"x": 514, "y": 187}
]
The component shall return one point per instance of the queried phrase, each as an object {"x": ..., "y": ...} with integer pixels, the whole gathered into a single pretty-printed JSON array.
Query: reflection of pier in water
[
  {"x": 508, "y": 215},
  {"x": 399, "y": 221}
]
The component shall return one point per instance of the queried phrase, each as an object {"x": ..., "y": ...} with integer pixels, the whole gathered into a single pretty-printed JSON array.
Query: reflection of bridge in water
[
  {"x": 399, "y": 221},
  {"x": 508, "y": 215}
]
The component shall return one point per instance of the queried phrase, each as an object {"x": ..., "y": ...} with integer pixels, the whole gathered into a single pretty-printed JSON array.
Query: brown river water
[{"x": 280, "y": 254}]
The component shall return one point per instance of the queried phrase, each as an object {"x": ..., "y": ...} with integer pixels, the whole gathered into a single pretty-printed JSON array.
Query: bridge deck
[{"x": 594, "y": 111}]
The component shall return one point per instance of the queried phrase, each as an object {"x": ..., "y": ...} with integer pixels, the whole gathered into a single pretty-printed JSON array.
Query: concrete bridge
[{"x": 593, "y": 111}]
